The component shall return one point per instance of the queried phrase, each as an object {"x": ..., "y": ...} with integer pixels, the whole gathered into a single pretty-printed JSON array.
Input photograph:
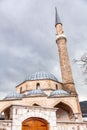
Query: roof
[
  {"x": 13, "y": 95},
  {"x": 59, "y": 93},
  {"x": 42, "y": 75},
  {"x": 36, "y": 92},
  {"x": 57, "y": 18}
]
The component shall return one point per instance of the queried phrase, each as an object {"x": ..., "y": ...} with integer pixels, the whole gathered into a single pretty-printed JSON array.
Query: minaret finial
[
  {"x": 57, "y": 18},
  {"x": 58, "y": 23}
]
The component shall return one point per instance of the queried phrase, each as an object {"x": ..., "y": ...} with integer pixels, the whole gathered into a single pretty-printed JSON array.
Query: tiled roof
[{"x": 42, "y": 75}]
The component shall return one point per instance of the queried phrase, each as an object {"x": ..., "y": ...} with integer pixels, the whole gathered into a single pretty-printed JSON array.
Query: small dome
[
  {"x": 42, "y": 75},
  {"x": 13, "y": 95},
  {"x": 59, "y": 93},
  {"x": 36, "y": 92}
]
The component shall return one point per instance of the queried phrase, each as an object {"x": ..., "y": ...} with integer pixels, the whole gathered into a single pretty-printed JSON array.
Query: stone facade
[
  {"x": 5, "y": 125},
  {"x": 44, "y": 85},
  {"x": 60, "y": 112},
  {"x": 23, "y": 113},
  {"x": 19, "y": 113}
]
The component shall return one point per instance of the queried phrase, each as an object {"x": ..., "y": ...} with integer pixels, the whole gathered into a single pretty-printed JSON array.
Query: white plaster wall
[
  {"x": 21, "y": 114},
  {"x": 5, "y": 125},
  {"x": 71, "y": 126}
]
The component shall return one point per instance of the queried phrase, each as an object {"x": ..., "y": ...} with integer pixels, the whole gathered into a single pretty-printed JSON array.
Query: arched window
[
  {"x": 20, "y": 89},
  {"x": 35, "y": 104},
  {"x": 2, "y": 116},
  {"x": 56, "y": 86},
  {"x": 37, "y": 85}
]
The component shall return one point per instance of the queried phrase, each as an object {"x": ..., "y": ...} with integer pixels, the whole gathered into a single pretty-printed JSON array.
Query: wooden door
[{"x": 35, "y": 124}]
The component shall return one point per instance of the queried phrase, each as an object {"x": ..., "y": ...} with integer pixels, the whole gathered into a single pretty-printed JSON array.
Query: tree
[{"x": 82, "y": 61}]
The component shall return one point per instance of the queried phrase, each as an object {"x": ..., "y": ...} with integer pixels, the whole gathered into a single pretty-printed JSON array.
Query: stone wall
[
  {"x": 42, "y": 101},
  {"x": 5, "y": 125},
  {"x": 44, "y": 84},
  {"x": 71, "y": 126},
  {"x": 21, "y": 113}
]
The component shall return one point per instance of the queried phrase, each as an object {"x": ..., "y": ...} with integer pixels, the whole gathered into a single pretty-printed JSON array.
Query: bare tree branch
[{"x": 82, "y": 62}]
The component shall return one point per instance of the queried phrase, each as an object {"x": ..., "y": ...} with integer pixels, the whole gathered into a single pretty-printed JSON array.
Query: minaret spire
[
  {"x": 66, "y": 71},
  {"x": 58, "y": 23},
  {"x": 57, "y": 18}
]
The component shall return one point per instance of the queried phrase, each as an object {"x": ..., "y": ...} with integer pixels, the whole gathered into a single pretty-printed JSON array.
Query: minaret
[{"x": 66, "y": 72}]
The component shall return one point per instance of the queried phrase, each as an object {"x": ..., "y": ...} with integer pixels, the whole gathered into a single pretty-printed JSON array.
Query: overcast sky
[{"x": 27, "y": 40}]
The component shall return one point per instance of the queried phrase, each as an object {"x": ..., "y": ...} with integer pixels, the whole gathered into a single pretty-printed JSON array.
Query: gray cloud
[{"x": 27, "y": 39}]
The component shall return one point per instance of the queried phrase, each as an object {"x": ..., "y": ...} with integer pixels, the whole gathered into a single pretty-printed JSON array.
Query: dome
[
  {"x": 36, "y": 92},
  {"x": 59, "y": 93},
  {"x": 42, "y": 75},
  {"x": 13, "y": 95}
]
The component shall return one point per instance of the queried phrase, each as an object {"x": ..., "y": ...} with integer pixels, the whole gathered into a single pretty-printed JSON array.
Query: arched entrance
[
  {"x": 64, "y": 112},
  {"x": 34, "y": 123}
]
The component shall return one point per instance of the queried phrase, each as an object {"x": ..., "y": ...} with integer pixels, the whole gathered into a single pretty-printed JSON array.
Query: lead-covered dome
[
  {"x": 36, "y": 92},
  {"x": 42, "y": 75},
  {"x": 13, "y": 95},
  {"x": 59, "y": 93}
]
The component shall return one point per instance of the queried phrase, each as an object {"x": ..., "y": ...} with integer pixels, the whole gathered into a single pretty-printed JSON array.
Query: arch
[
  {"x": 5, "y": 106},
  {"x": 35, "y": 104},
  {"x": 20, "y": 89},
  {"x": 2, "y": 116},
  {"x": 56, "y": 87},
  {"x": 6, "y": 112},
  {"x": 38, "y": 85},
  {"x": 38, "y": 103},
  {"x": 64, "y": 106},
  {"x": 66, "y": 103},
  {"x": 34, "y": 123},
  {"x": 64, "y": 109}
]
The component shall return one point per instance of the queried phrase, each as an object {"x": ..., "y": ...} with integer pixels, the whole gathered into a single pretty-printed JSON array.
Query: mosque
[{"x": 42, "y": 102}]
